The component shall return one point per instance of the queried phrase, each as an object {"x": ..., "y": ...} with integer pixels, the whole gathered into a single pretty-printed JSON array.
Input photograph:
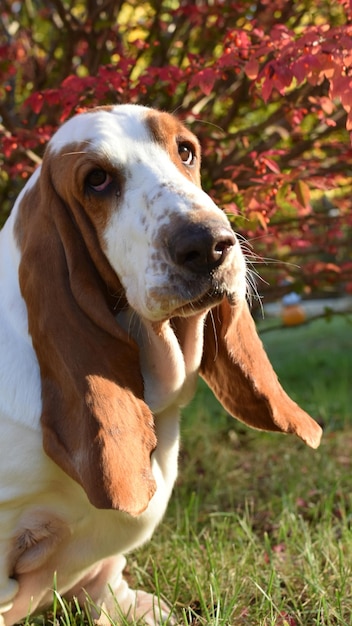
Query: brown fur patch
[
  {"x": 69, "y": 168},
  {"x": 237, "y": 369},
  {"x": 66, "y": 170},
  {"x": 31, "y": 198},
  {"x": 169, "y": 132}
]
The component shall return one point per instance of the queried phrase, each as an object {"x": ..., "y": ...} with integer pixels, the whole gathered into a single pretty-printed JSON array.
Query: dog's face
[{"x": 138, "y": 177}]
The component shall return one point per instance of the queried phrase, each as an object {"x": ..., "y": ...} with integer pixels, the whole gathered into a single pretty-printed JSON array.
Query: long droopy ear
[
  {"x": 237, "y": 369},
  {"x": 95, "y": 424}
]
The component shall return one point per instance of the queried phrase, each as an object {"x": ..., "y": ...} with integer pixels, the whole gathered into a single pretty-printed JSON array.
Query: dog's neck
[{"x": 170, "y": 356}]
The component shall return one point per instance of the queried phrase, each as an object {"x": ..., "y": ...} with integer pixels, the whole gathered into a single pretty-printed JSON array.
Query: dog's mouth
[
  {"x": 191, "y": 297},
  {"x": 205, "y": 302}
]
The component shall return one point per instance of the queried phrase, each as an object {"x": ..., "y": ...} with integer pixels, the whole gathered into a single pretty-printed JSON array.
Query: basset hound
[{"x": 121, "y": 281}]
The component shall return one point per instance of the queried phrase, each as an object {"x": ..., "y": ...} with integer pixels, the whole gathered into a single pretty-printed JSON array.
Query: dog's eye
[
  {"x": 186, "y": 153},
  {"x": 98, "y": 180}
]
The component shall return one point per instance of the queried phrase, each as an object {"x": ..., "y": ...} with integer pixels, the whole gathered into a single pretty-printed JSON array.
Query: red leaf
[
  {"x": 204, "y": 79},
  {"x": 270, "y": 164},
  {"x": 52, "y": 96},
  {"x": 266, "y": 89},
  {"x": 35, "y": 101}
]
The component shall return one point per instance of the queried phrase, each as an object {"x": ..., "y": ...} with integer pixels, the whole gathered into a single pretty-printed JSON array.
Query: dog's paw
[
  {"x": 152, "y": 611},
  {"x": 145, "y": 609}
]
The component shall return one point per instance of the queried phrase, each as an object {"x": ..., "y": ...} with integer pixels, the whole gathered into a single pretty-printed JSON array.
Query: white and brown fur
[{"x": 121, "y": 281}]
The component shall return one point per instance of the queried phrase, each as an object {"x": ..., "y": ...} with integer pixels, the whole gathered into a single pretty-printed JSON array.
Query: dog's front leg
[{"x": 109, "y": 598}]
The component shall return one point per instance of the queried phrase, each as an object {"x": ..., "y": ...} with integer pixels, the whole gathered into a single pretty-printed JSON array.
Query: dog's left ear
[{"x": 237, "y": 369}]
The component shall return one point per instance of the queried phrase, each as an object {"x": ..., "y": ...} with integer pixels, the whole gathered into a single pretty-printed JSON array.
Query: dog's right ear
[
  {"x": 237, "y": 369},
  {"x": 96, "y": 425}
]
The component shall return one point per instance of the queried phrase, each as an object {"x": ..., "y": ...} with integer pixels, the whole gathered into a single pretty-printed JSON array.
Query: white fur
[{"x": 36, "y": 494}]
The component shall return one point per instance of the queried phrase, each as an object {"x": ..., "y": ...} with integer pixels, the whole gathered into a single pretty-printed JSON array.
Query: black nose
[{"x": 201, "y": 248}]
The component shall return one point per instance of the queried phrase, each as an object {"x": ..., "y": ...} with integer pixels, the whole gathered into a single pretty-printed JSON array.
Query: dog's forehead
[
  {"x": 116, "y": 129},
  {"x": 102, "y": 126}
]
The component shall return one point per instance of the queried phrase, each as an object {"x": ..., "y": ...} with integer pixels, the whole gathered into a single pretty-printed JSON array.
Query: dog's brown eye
[
  {"x": 98, "y": 180},
  {"x": 186, "y": 153}
]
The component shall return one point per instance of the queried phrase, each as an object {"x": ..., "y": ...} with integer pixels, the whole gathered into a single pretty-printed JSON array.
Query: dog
[{"x": 121, "y": 282}]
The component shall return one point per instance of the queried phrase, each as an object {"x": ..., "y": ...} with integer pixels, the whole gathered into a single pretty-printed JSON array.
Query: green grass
[{"x": 258, "y": 532}]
